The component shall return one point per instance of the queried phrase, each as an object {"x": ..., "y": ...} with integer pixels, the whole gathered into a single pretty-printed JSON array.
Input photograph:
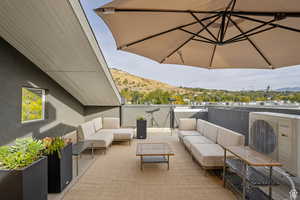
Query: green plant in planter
[
  {"x": 24, "y": 152},
  {"x": 140, "y": 118},
  {"x": 54, "y": 145}
]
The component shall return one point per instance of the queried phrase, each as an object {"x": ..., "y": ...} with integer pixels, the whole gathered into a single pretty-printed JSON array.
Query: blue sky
[{"x": 231, "y": 79}]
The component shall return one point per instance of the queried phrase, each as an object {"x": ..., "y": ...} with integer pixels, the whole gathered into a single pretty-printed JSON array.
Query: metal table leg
[
  {"x": 92, "y": 146},
  {"x": 77, "y": 165},
  {"x": 244, "y": 180},
  {"x": 270, "y": 183},
  {"x": 141, "y": 163},
  {"x": 168, "y": 162},
  {"x": 224, "y": 170}
]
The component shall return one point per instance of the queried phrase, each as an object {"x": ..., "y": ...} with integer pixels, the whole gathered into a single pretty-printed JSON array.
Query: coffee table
[{"x": 154, "y": 153}]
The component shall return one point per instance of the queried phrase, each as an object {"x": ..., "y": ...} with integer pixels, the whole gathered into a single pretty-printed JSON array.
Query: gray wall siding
[
  {"x": 131, "y": 112},
  {"x": 63, "y": 112},
  {"x": 236, "y": 120},
  {"x": 92, "y": 112}
]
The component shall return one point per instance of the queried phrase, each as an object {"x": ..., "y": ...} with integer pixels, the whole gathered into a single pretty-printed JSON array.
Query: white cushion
[
  {"x": 181, "y": 134},
  {"x": 187, "y": 124},
  {"x": 189, "y": 140},
  {"x": 85, "y": 130},
  {"x": 123, "y": 136},
  {"x": 209, "y": 155},
  {"x": 200, "y": 126},
  {"x": 210, "y": 131},
  {"x": 97, "y": 123},
  {"x": 111, "y": 123},
  {"x": 100, "y": 140},
  {"x": 119, "y": 134},
  {"x": 228, "y": 137}
]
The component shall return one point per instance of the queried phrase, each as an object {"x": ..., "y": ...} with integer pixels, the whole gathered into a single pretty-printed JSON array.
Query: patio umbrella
[{"x": 208, "y": 33}]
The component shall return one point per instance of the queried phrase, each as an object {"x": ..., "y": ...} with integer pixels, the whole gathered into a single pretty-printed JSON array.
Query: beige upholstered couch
[
  {"x": 205, "y": 141},
  {"x": 101, "y": 132}
]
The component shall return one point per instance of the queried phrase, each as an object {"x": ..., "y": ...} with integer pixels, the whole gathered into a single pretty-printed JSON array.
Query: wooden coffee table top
[
  {"x": 252, "y": 157},
  {"x": 154, "y": 149}
]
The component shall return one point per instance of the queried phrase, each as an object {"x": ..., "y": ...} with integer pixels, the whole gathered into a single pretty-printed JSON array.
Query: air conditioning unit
[{"x": 278, "y": 136}]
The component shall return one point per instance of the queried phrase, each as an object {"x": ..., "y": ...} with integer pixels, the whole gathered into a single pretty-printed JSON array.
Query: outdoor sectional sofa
[
  {"x": 101, "y": 132},
  {"x": 205, "y": 141}
]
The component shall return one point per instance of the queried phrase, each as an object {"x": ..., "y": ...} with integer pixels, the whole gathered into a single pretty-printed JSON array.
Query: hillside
[
  {"x": 138, "y": 90},
  {"x": 135, "y": 83}
]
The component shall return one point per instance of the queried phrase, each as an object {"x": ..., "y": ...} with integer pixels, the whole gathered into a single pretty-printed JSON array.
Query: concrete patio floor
[{"x": 117, "y": 175}]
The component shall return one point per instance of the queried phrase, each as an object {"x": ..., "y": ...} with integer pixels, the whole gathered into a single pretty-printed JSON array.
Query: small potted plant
[
  {"x": 23, "y": 171},
  {"x": 60, "y": 166},
  {"x": 141, "y": 128}
]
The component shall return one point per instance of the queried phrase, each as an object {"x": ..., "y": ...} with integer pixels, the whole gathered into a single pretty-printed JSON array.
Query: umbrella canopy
[{"x": 208, "y": 33}]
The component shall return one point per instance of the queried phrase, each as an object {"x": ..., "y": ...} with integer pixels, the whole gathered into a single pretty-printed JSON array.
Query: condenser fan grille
[{"x": 263, "y": 137}]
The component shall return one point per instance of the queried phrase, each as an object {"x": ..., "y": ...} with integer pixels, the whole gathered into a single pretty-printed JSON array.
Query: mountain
[
  {"x": 138, "y": 90},
  {"x": 289, "y": 89},
  {"x": 125, "y": 80}
]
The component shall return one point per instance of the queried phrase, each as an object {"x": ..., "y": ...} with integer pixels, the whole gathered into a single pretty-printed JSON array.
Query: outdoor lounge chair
[{"x": 101, "y": 132}]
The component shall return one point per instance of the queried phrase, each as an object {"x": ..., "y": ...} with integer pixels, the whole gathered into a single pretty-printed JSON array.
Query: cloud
[{"x": 232, "y": 79}]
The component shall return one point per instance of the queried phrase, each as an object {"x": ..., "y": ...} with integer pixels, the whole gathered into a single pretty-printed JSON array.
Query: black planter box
[
  {"x": 29, "y": 183},
  {"x": 141, "y": 129},
  {"x": 60, "y": 170}
]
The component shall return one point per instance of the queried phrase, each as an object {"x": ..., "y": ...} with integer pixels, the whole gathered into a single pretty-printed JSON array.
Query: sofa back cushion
[
  {"x": 111, "y": 123},
  {"x": 200, "y": 125},
  {"x": 187, "y": 124},
  {"x": 228, "y": 137},
  {"x": 210, "y": 131},
  {"x": 85, "y": 130},
  {"x": 97, "y": 123}
]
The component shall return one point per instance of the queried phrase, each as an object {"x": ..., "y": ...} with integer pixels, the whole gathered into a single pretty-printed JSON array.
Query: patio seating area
[
  {"x": 68, "y": 131},
  {"x": 117, "y": 175}
]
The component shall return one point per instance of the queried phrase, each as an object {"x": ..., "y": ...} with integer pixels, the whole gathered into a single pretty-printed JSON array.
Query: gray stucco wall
[
  {"x": 131, "y": 112},
  {"x": 237, "y": 118},
  {"x": 92, "y": 112},
  {"x": 63, "y": 112}
]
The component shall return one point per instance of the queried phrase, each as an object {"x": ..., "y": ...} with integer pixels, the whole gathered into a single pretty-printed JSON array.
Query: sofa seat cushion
[
  {"x": 189, "y": 140},
  {"x": 209, "y": 155},
  {"x": 119, "y": 134},
  {"x": 100, "y": 140},
  {"x": 181, "y": 134}
]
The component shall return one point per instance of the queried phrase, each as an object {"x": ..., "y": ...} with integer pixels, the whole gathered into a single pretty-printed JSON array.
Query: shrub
[
  {"x": 54, "y": 145},
  {"x": 24, "y": 152},
  {"x": 140, "y": 118}
]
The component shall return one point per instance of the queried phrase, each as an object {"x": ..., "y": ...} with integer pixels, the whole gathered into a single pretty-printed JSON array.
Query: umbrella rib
[
  {"x": 252, "y": 43},
  {"x": 206, "y": 28},
  {"x": 109, "y": 10},
  {"x": 232, "y": 5},
  {"x": 271, "y": 24},
  {"x": 214, "y": 51},
  {"x": 188, "y": 40},
  {"x": 253, "y": 29},
  {"x": 248, "y": 35},
  {"x": 204, "y": 41},
  {"x": 163, "y": 32},
  {"x": 205, "y": 38}
]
